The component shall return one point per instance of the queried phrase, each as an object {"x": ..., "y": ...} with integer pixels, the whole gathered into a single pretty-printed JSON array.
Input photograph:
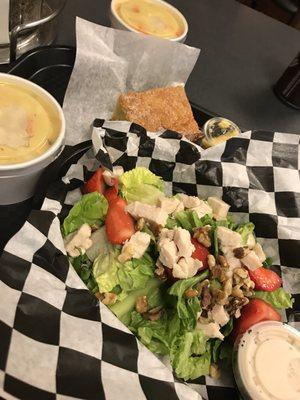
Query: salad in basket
[{"x": 177, "y": 271}]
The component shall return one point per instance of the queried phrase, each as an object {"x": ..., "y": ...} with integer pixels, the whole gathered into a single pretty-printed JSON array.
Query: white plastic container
[
  {"x": 18, "y": 181},
  {"x": 119, "y": 23},
  {"x": 266, "y": 362}
]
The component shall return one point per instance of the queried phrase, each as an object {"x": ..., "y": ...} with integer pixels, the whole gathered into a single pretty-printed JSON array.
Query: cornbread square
[{"x": 159, "y": 109}]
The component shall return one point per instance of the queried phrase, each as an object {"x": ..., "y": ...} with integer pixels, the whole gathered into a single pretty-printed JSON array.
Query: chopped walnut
[
  {"x": 235, "y": 304},
  {"x": 222, "y": 261},
  {"x": 202, "y": 236},
  {"x": 227, "y": 287},
  {"x": 99, "y": 295},
  {"x": 221, "y": 297},
  {"x": 191, "y": 293},
  {"x": 140, "y": 223},
  {"x": 214, "y": 371},
  {"x": 211, "y": 261},
  {"x": 156, "y": 229},
  {"x": 241, "y": 272},
  {"x": 141, "y": 304},
  {"x": 154, "y": 314},
  {"x": 160, "y": 271},
  {"x": 109, "y": 298},
  {"x": 237, "y": 292},
  {"x": 206, "y": 297}
]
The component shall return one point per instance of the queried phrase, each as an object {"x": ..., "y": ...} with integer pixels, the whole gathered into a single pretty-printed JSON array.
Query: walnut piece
[
  {"x": 109, "y": 298},
  {"x": 191, "y": 293},
  {"x": 202, "y": 236},
  {"x": 211, "y": 261},
  {"x": 141, "y": 304}
]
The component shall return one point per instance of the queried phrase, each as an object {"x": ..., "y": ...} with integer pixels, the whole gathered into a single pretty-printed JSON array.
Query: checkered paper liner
[{"x": 58, "y": 342}]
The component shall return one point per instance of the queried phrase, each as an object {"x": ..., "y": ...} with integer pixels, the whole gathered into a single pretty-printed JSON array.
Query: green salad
[{"x": 177, "y": 271}]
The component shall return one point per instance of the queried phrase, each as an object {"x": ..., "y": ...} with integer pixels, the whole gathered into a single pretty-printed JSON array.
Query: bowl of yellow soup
[
  {"x": 151, "y": 17},
  {"x": 32, "y": 133}
]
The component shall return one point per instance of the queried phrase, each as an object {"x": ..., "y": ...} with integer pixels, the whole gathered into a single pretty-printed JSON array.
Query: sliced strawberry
[
  {"x": 95, "y": 183},
  {"x": 111, "y": 193},
  {"x": 119, "y": 224},
  {"x": 255, "y": 311},
  {"x": 265, "y": 279},
  {"x": 200, "y": 253}
]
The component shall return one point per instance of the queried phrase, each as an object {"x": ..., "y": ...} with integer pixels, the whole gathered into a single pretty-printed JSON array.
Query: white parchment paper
[{"x": 110, "y": 62}]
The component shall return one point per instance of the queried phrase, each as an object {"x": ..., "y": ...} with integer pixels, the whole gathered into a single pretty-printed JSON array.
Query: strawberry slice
[
  {"x": 95, "y": 183},
  {"x": 265, "y": 279},
  {"x": 119, "y": 224},
  {"x": 200, "y": 253},
  {"x": 255, "y": 311}
]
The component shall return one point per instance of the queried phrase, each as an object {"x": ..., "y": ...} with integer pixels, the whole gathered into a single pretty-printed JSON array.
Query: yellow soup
[
  {"x": 29, "y": 124},
  {"x": 151, "y": 17}
]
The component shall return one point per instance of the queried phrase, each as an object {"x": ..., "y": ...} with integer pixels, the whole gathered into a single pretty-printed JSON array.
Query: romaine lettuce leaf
[
  {"x": 142, "y": 185},
  {"x": 190, "y": 355},
  {"x": 105, "y": 271},
  {"x": 187, "y": 309},
  {"x": 245, "y": 230},
  {"x": 135, "y": 273},
  {"x": 152, "y": 334},
  {"x": 91, "y": 209},
  {"x": 278, "y": 298},
  {"x": 83, "y": 267},
  {"x": 122, "y": 309}
]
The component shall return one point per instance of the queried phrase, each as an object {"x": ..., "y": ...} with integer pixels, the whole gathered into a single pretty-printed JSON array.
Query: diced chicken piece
[
  {"x": 219, "y": 315},
  {"x": 166, "y": 233},
  {"x": 251, "y": 241},
  {"x": 186, "y": 268},
  {"x": 79, "y": 242},
  {"x": 251, "y": 260},
  {"x": 219, "y": 207},
  {"x": 233, "y": 263},
  {"x": 168, "y": 253},
  {"x": 228, "y": 238},
  {"x": 152, "y": 214},
  {"x": 211, "y": 330},
  {"x": 190, "y": 201},
  {"x": 168, "y": 204},
  {"x": 135, "y": 247},
  {"x": 179, "y": 208},
  {"x": 202, "y": 209},
  {"x": 182, "y": 239},
  {"x": 259, "y": 252},
  {"x": 108, "y": 176}
]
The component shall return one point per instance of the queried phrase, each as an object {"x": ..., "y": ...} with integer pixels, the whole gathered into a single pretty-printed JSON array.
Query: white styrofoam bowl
[
  {"x": 118, "y": 23},
  {"x": 18, "y": 181}
]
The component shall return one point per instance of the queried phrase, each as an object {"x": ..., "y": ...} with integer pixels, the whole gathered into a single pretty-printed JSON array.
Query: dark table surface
[{"x": 243, "y": 54}]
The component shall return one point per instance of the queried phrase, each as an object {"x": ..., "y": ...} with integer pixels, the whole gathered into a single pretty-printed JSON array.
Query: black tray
[{"x": 50, "y": 67}]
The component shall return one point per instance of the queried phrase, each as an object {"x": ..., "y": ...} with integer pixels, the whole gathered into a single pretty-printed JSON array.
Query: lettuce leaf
[
  {"x": 105, "y": 271},
  {"x": 187, "y": 309},
  {"x": 153, "y": 334},
  {"x": 122, "y": 309},
  {"x": 83, "y": 267},
  {"x": 91, "y": 209},
  {"x": 135, "y": 273},
  {"x": 190, "y": 355},
  {"x": 279, "y": 298},
  {"x": 245, "y": 230},
  {"x": 140, "y": 184}
]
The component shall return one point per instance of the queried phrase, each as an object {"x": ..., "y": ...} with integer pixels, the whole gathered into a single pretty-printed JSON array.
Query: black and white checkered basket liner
[{"x": 58, "y": 342}]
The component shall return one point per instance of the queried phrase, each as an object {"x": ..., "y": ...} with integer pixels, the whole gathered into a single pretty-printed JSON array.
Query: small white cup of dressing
[
  {"x": 32, "y": 134},
  {"x": 266, "y": 362},
  {"x": 151, "y": 17}
]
